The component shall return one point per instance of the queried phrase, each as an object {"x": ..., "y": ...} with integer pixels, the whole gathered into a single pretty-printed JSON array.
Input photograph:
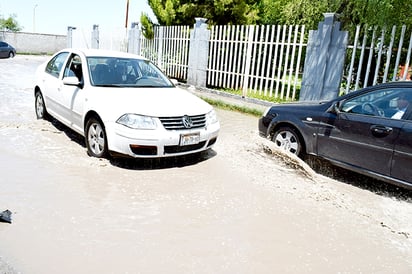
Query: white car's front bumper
[{"x": 160, "y": 142}]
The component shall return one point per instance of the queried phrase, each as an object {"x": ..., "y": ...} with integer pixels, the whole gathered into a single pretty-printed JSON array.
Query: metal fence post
[
  {"x": 134, "y": 39},
  {"x": 248, "y": 60},
  {"x": 325, "y": 60},
  {"x": 198, "y": 53},
  {"x": 95, "y": 37},
  {"x": 160, "y": 48},
  {"x": 70, "y": 36}
]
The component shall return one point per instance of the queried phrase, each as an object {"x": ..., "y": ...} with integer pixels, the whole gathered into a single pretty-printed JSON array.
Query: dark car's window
[
  {"x": 3, "y": 44},
  {"x": 384, "y": 103},
  {"x": 55, "y": 65},
  {"x": 125, "y": 72}
]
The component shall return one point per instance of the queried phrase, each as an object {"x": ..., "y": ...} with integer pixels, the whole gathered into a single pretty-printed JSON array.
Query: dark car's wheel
[
  {"x": 11, "y": 54},
  {"x": 40, "y": 107},
  {"x": 286, "y": 138},
  {"x": 96, "y": 140}
]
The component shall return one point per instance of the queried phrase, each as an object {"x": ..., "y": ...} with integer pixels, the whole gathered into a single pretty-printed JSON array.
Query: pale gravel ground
[
  {"x": 5, "y": 268},
  {"x": 240, "y": 210}
]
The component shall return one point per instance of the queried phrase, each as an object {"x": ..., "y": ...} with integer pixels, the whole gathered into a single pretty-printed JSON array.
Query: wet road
[{"x": 234, "y": 210}]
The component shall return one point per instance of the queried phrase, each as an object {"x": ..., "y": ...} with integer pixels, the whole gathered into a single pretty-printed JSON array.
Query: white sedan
[{"x": 123, "y": 105}]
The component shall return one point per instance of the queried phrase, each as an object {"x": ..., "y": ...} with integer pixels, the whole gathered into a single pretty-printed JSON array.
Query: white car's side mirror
[{"x": 72, "y": 81}]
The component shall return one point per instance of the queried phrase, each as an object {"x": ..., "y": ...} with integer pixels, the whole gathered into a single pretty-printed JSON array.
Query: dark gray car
[
  {"x": 368, "y": 131},
  {"x": 6, "y": 50}
]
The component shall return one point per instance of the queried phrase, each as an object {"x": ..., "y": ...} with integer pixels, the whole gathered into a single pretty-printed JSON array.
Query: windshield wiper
[
  {"x": 153, "y": 86},
  {"x": 109, "y": 85}
]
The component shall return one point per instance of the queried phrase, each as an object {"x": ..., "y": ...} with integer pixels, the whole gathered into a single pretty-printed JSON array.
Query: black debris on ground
[{"x": 5, "y": 216}]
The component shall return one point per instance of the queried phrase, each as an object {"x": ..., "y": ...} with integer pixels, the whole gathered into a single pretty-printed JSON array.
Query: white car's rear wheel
[{"x": 96, "y": 140}]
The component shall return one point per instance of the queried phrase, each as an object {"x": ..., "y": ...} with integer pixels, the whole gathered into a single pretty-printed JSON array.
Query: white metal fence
[
  {"x": 378, "y": 56},
  {"x": 261, "y": 59},
  {"x": 169, "y": 50},
  {"x": 268, "y": 60},
  {"x": 111, "y": 39}
]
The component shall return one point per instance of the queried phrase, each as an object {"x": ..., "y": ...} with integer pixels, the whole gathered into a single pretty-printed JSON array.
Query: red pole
[{"x": 127, "y": 14}]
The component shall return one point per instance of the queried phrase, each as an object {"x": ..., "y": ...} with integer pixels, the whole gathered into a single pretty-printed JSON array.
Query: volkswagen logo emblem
[{"x": 187, "y": 121}]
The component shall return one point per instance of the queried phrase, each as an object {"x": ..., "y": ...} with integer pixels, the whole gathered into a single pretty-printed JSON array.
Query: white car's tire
[
  {"x": 96, "y": 140},
  {"x": 40, "y": 106}
]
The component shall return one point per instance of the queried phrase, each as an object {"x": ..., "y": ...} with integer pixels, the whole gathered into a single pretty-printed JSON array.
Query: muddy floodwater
[{"x": 234, "y": 209}]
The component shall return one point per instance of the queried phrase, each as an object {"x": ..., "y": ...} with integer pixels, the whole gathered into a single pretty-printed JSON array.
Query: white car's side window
[
  {"x": 74, "y": 68},
  {"x": 54, "y": 66}
]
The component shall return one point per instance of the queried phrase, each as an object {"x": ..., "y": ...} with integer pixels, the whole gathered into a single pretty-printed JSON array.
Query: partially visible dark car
[
  {"x": 6, "y": 50},
  {"x": 367, "y": 131}
]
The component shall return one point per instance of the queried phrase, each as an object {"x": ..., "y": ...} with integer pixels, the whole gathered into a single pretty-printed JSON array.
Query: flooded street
[{"x": 235, "y": 209}]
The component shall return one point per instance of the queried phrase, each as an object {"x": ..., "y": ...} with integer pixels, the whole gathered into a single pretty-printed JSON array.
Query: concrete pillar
[
  {"x": 70, "y": 36},
  {"x": 198, "y": 53},
  {"x": 134, "y": 39},
  {"x": 95, "y": 37},
  {"x": 325, "y": 60}
]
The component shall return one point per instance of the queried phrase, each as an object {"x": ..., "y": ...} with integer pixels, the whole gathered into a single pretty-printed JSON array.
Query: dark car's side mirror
[
  {"x": 72, "y": 81},
  {"x": 335, "y": 108}
]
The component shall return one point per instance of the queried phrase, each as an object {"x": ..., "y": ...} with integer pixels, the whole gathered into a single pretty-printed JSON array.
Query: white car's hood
[{"x": 155, "y": 102}]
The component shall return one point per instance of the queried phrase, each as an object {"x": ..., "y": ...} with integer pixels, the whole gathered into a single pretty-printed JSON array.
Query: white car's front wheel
[
  {"x": 40, "y": 107},
  {"x": 96, "y": 140}
]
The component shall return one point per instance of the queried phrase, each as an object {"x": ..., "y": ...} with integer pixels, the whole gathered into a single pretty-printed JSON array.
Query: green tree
[
  {"x": 278, "y": 12},
  {"x": 374, "y": 12},
  {"x": 147, "y": 26},
  {"x": 164, "y": 10},
  {"x": 351, "y": 12},
  {"x": 218, "y": 12},
  {"x": 9, "y": 24},
  {"x": 270, "y": 11}
]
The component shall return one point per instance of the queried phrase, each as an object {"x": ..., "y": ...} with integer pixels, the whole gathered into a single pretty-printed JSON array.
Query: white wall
[{"x": 35, "y": 43}]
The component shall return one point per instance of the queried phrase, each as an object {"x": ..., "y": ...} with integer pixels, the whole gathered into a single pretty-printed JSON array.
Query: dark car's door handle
[{"x": 381, "y": 131}]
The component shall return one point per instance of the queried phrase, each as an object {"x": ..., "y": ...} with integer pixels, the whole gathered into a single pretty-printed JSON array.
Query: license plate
[{"x": 189, "y": 139}]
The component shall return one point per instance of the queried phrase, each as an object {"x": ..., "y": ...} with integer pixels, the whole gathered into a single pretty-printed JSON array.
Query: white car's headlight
[
  {"x": 137, "y": 121},
  {"x": 211, "y": 117}
]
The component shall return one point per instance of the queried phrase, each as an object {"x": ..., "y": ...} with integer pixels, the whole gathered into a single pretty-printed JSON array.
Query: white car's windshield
[{"x": 125, "y": 72}]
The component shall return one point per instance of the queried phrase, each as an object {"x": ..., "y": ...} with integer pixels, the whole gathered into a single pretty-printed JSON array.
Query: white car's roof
[{"x": 104, "y": 53}]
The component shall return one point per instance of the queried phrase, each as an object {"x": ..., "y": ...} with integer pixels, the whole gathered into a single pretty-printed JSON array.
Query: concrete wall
[{"x": 34, "y": 43}]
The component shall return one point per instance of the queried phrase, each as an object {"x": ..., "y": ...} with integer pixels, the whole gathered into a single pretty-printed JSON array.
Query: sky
[{"x": 54, "y": 16}]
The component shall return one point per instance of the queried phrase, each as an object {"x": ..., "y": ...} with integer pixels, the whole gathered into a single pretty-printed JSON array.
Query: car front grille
[{"x": 176, "y": 123}]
